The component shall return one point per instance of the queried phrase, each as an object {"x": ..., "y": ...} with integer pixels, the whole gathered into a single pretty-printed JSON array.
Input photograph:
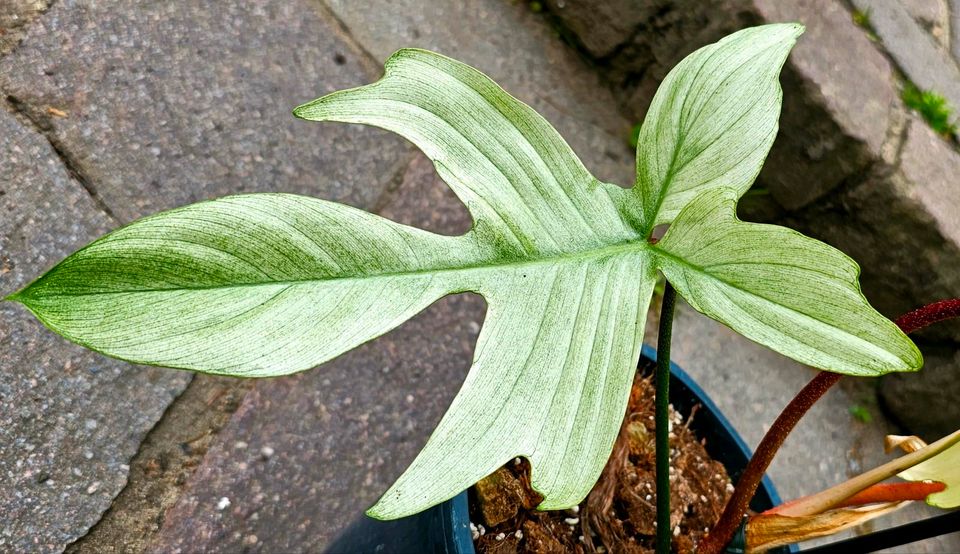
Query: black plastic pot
[{"x": 445, "y": 529}]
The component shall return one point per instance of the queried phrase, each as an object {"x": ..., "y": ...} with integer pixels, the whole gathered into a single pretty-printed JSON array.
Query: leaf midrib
[{"x": 630, "y": 246}]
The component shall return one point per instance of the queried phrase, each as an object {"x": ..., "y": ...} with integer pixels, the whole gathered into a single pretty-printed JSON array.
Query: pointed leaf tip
[
  {"x": 711, "y": 122},
  {"x": 374, "y": 513},
  {"x": 13, "y": 297},
  {"x": 791, "y": 293}
]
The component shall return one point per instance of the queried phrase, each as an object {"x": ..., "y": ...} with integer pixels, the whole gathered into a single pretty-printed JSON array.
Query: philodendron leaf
[
  {"x": 944, "y": 468},
  {"x": 712, "y": 121},
  {"x": 773, "y": 285},
  {"x": 270, "y": 284}
]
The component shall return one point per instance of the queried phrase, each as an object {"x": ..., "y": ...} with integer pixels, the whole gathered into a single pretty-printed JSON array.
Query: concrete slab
[
  {"x": 168, "y": 104},
  {"x": 15, "y": 19},
  {"x": 840, "y": 103},
  {"x": 918, "y": 54},
  {"x": 953, "y": 7},
  {"x": 70, "y": 419},
  {"x": 934, "y": 17}
]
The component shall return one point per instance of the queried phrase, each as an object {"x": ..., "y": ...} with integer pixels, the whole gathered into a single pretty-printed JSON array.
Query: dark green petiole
[{"x": 663, "y": 419}]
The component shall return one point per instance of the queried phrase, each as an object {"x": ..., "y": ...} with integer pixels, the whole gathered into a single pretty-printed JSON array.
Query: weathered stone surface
[
  {"x": 70, "y": 419},
  {"x": 168, "y": 456},
  {"x": 840, "y": 102},
  {"x": 664, "y": 36},
  {"x": 923, "y": 255},
  {"x": 751, "y": 384},
  {"x": 918, "y": 54},
  {"x": 926, "y": 403},
  {"x": 901, "y": 226},
  {"x": 15, "y": 17},
  {"x": 517, "y": 49},
  {"x": 931, "y": 165},
  {"x": 602, "y": 27},
  {"x": 304, "y": 456},
  {"x": 953, "y": 6},
  {"x": 172, "y": 103},
  {"x": 934, "y": 17}
]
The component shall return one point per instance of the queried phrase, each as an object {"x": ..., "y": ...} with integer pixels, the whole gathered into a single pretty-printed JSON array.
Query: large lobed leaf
[{"x": 269, "y": 284}]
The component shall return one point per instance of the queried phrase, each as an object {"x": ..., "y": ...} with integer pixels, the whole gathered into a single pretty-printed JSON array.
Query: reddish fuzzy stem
[
  {"x": 929, "y": 314},
  {"x": 723, "y": 531}
]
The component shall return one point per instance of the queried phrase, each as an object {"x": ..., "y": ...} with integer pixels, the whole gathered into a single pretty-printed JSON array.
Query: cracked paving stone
[
  {"x": 15, "y": 18},
  {"x": 70, "y": 419},
  {"x": 164, "y": 104}
]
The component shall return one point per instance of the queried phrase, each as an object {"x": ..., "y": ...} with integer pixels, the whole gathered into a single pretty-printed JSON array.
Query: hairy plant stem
[
  {"x": 662, "y": 415},
  {"x": 723, "y": 531},
  {"x": 929, "y": 314}
]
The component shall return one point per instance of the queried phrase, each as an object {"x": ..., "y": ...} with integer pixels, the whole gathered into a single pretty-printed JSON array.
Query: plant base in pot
[{"x": 447, "y": 528}]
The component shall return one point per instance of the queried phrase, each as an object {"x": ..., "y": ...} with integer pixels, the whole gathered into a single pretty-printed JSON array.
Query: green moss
[
  {"x": 934, "y": 108},
  {"x": 536, "y": 7},
  {"x": 861, "y": 18},
  {"x": 861, "y": 414}
]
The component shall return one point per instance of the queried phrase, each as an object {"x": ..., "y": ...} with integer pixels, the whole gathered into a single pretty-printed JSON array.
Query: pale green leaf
[
  {"x": 271, "y": 284},
  {"x": 268, "y": 284},
  {"x": 550, "y": 381},
  {"x": 712, "y": 121},
  {"x": 264, "y": 285},
  {"x": 781, "y": 289},
  {"x": 254, "y": 285},
  {"x": 944, "y": 468}
]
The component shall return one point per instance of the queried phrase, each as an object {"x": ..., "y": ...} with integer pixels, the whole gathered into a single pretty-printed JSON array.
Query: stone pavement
[
  {"x": 115, "y": 110},
  {"x": 70, "y": 419}
]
